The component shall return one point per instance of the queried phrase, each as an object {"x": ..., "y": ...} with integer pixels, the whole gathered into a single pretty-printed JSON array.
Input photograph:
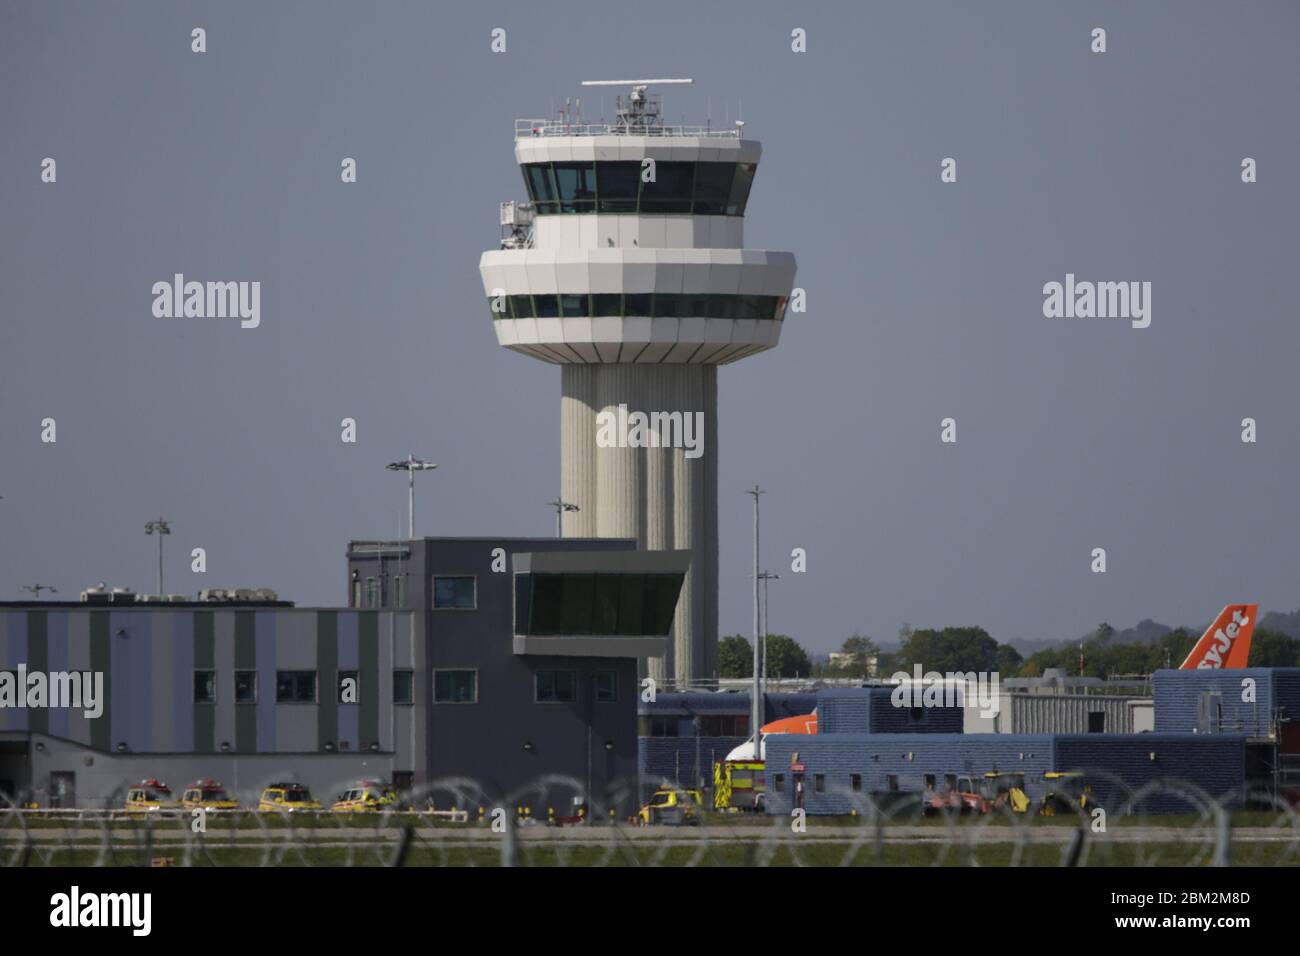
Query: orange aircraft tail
[{"x": 1226, "y": 642}]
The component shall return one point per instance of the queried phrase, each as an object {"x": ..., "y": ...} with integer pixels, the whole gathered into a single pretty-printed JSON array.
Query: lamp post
[
  {"x": 766, "y": 576},
  {"x": 410, "y": 465},
  {"x": 756, "y": 702},
  {"x": 36, "y": 589},
  {"x": 560, "y": 508},
  {"x": 159, "y": 527}
]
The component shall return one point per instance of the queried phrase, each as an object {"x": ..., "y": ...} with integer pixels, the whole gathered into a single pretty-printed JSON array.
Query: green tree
[
  {"x": 1273, "y": 649},
  {"x": 735, "y": 656},
  {"x": 951, "y": 649},
  {"x": 785, "y": 657}
]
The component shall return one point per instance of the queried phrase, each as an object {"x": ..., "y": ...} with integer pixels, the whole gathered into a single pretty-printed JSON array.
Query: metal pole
[
  {"x": 559, "y": 525},
  {"x": 756, "y": 693},
  {"x": 160, "y": 566},
  {"x": 410, "y": 509},
  {"x": 767, "y": 627}
]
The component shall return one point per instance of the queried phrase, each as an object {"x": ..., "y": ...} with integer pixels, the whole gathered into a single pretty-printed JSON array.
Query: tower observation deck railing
[{"x": 533, "y": 128}]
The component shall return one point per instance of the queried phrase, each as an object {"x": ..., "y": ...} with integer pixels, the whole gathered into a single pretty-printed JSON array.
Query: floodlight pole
[
  {"x": 159, "y": 527},
  {"x": 756, "y": 693},
  {"x": 766, "y": 576},
  {"x": 410, "y": 464},
  {"x": 561, "y": 507}
]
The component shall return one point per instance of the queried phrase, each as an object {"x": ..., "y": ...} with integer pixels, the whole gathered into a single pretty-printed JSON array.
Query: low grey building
[{"x": 492, "y": 662}]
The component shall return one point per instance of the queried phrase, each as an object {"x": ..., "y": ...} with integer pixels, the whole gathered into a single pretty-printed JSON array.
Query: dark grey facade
[{"x": 556, "y": 704}]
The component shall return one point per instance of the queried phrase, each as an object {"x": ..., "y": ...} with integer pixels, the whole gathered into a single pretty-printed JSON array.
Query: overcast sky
[{"x": 924, "y": 299}]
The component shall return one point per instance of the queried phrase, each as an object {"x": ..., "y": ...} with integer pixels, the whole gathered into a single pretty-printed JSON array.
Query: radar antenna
[{"x": 640, "y": 111}]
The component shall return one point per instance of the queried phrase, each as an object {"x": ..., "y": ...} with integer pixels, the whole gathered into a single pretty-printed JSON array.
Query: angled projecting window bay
[
  {"x": 659, "y": 305},
  {"x": 619, "y": 186}
]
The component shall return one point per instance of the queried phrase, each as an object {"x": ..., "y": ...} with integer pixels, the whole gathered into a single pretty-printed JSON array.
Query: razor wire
[{"x": 552, "y": 821}]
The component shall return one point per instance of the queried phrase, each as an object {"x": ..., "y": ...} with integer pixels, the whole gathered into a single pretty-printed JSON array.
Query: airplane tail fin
[{"x": 1226, "y": 642}]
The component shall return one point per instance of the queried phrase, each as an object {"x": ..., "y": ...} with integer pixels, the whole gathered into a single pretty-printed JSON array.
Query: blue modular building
[{"x": 1226, "y": 733}]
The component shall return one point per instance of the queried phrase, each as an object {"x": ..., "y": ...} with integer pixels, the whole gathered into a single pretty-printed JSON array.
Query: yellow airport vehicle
[
  {"x": 368, "y": 796},
  {"x": 738, "y": 785},
  {"x": 672, "y": 806},
  {"x": 286, "y": 797},
  {"x": 1006, "y": 789},
  {"x": 150, "y": 795},
  {"x": 1067, "y": 792},
  {"x": 207, "y": 795}
]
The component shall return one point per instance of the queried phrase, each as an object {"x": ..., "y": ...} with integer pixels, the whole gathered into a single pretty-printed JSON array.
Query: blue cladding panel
[
  {"x": 1215, "y": 763},
  {"x": 1286, "y": 691},
  {"x": 871, "y": 710},
  {"x": 696, "y": 702},
  {"x": 1178, "y": 697},
  {"x": 876, "y": 756}
]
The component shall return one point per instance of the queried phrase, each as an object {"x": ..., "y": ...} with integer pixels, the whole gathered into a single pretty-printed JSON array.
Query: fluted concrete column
[{"x": 658, "y": 496}]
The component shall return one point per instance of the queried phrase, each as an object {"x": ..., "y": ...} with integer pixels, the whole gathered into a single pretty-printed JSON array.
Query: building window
[
  {"x": 855, "y": 782},
  {"x": 724, "y": 725},
  {"x": 819, "y": 782},
  {"x": 606, "y": 686},
  {"x": 295, "y": 687},
  {"x": 205, "y": 687},
  {"x": 454, "y": 593},
  {"x": 455, "y": 687},
  {"x": 891, "y": 782},
  {"x": 245, "y": 687},
  {"x": 778, "y": 783},
  {"x": 349, "y": 687},
  {"x": 659, "y": 726},
  {"x": 403, "y": 687},
  {"x": 1097, "y": 722},
  {"x": 557, "y": 687},
  {"x": 929, "y": 781}
]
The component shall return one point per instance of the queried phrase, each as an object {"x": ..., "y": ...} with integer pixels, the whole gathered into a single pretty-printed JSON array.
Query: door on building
[
  {"x": 1209, "y": 717},
  {"x": 1097, "y": 722},
  {"x": 63, "y": 790}
]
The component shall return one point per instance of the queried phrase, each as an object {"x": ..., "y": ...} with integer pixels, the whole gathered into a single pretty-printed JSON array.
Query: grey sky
[{"x": 924, "y": 299}]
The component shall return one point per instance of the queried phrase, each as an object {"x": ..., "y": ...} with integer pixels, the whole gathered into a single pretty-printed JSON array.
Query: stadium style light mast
[
  {"x": 36, "y": 589},
  {"x": 159, "y": 527},
  {"x": 756, "y": 693},
  {"x": 410, "y": 465},
  {"x": 561, "y": 507}
]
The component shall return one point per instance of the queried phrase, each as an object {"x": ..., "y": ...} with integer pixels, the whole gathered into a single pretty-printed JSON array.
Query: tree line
[{"x": 962, "y": 649}]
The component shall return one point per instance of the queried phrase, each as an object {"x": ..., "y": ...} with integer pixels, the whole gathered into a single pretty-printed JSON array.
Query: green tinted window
[
  {"x": 617, "y": 185},
  {"x": 455, "y": 687}
]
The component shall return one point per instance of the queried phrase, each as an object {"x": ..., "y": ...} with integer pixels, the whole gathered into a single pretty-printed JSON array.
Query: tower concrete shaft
[{"x": 657, "y": 495}]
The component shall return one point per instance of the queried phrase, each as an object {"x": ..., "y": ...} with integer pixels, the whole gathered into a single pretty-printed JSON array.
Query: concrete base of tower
[{"x": 664, "y": 497}]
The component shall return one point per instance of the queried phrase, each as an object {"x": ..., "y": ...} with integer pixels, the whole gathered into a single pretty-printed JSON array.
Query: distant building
[{"x": 865, "y": 665}]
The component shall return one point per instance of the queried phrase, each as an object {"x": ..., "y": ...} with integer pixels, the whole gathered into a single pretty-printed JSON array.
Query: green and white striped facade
[{"x": 151, "y": 724}]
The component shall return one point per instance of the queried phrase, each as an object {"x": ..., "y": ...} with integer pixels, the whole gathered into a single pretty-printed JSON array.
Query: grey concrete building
[{"x": 532, "y": 648}]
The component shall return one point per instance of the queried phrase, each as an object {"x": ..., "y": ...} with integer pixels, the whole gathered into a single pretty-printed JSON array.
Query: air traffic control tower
[{"x": 627, "y": 268}]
